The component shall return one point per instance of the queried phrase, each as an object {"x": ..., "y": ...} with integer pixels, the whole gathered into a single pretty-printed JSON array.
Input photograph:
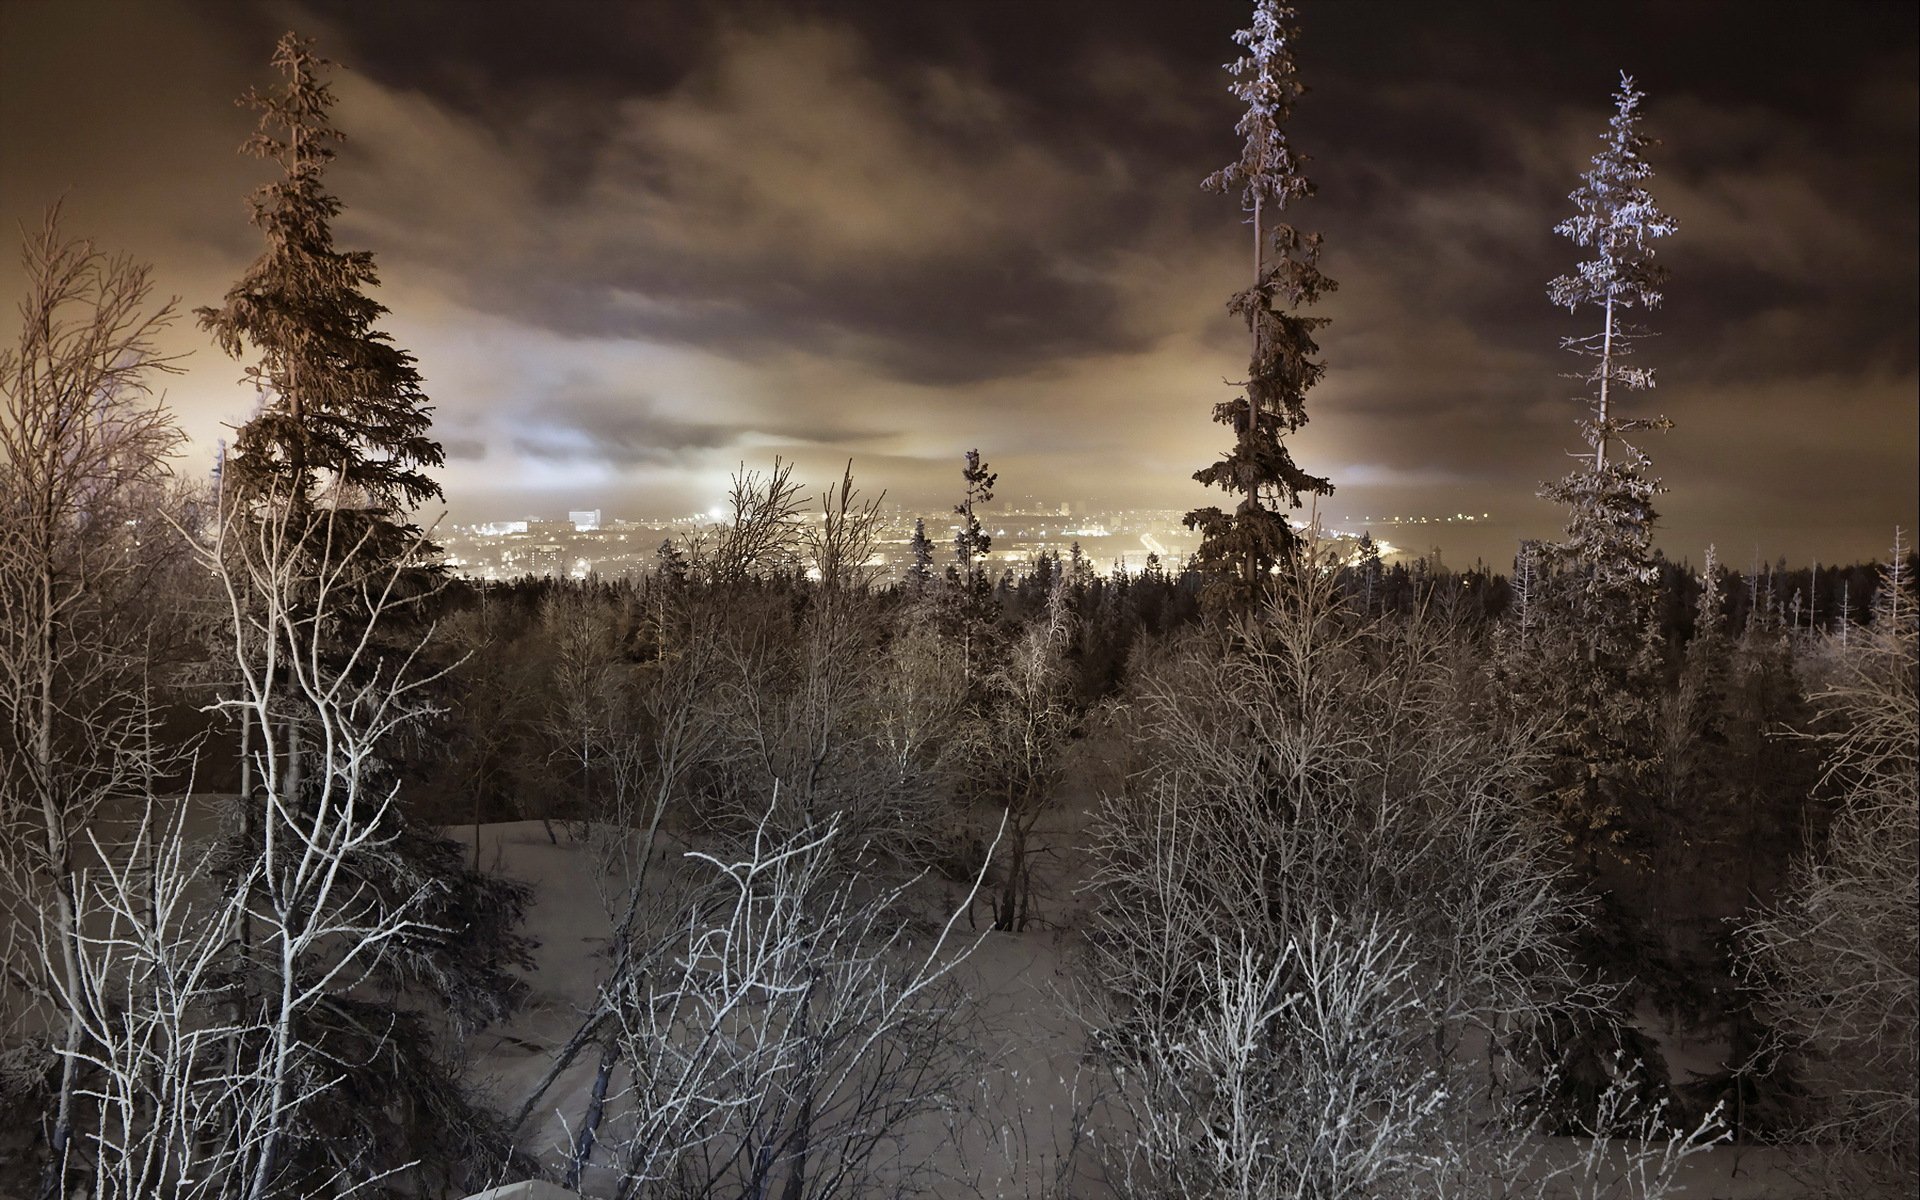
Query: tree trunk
[
  {"x": 596, "y": 1109},
  {"x": 59, "y": 868},
  {"x": 796, "y": 1187},
  {"x": 1253, "y": 399},
  {"x": 1007, "y": 911},
  {"x": 53, "y": 1181},
  {"x": 1606, "y": 375}
]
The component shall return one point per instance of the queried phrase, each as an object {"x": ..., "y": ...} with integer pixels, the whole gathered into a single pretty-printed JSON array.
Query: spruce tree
[
  {"x": 971, "y": 544},
  {"x": 1610, "y": 499},
  {"x": 974, "y": 602},
  {"x": 1602, "y": 596},
  {"x": 1367, "y": 567},
  {"x": 1240, "y": 548},
  {"x": 343, "y": 423},
  {"x": 920, "y": 569},
  {"x": 670, "y": 564}
]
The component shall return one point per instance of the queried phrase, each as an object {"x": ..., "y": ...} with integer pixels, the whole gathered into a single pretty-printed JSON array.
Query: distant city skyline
[
  {"x": 1462, "y": 538},
  {"x": 617, "y": 543},
  {"x": 634, "y": 246}
]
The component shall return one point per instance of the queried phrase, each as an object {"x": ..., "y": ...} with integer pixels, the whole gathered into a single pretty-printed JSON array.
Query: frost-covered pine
[
  {"x": 1241, "y": 547},
  {"x": 1267, "y": 82},
  {"x": 1610, "y": 498}
]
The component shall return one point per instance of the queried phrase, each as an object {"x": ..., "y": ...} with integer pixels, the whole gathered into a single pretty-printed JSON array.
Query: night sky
[{"x": 633, "y": 244}]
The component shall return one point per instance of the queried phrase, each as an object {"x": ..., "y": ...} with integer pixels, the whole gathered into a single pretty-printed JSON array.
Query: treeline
[{"x": 1337, "y": 752}]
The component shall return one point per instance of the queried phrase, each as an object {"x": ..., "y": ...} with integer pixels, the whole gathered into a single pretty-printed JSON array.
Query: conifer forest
[{"x": 797, "y": 858}]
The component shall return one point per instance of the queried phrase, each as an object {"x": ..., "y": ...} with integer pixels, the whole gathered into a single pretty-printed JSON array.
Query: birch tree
[
  {"x": 1024, "y": 727},
  {"x": 1333, "y": 935},
  {"x": 247, "y": 1032},
  {"x": 84, "y": 463},
  {"x": 1318, "y": 896}
]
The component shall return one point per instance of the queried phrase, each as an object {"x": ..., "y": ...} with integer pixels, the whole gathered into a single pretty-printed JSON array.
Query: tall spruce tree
[
  {"x": 1609, "y": 543},
  {"x": 1602, "y": 595},
  {"x": 343, "y": 423},
  {"x": 971, "y": 543},
  {"x": 1241, "y": 547}
]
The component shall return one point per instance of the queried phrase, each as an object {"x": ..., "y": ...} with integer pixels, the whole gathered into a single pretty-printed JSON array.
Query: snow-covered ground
[
  {"x": 1010, "y": 1132},
  {"x": 1031, "y": 1098},
  {"x": 1019, "y": 1132}
]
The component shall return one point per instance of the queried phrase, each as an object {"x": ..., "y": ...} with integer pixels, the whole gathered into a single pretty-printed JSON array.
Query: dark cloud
[
  {"x": 574, "y": 423},
  {"x": 780, "y": 194}
]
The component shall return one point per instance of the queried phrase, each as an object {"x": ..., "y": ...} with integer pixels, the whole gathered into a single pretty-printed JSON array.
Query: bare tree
[
  {"x": 211, "y": 982},
  {"x": 773, "y": 1024},
  {"x": 84, "y": 446},
  {"x": 764, "y": 1027},
  {"x": 840, "y": 547},
  {"x": 1019, "y": 756},
  {"x": 925, "y": 738},
  {"x": 158, "y": 1072},
  {"x": 806, "y": 702},
  {"x": 585, "y": 711},
  {"x": 1330, "y": 926},
  {"x": 801, "y": 1024},
  {"x": 1833, "y": 967},
  {"x": 323, "y": 916},
  {"x": 1219, "y": 1113},
  {"x": 759, "y": 535},
  {"x": 653, "y": 733}
]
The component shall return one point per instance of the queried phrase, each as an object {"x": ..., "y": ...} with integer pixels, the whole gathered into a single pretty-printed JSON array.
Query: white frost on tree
[{"x": 1610, "y": 523}]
